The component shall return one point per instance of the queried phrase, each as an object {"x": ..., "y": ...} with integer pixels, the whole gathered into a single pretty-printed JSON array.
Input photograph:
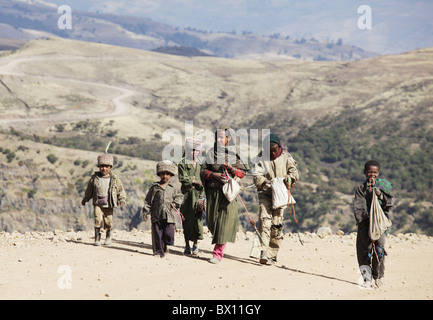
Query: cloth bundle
[
  {"x": 232, "y": 188},
  {"x": 379, "y": 222},
  {"x": 280, "y": 194},
  {"x": 384, "y": 185}
]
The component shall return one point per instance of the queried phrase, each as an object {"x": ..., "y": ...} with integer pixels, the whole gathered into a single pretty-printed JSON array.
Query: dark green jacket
[{"x": 159, "y": 203}]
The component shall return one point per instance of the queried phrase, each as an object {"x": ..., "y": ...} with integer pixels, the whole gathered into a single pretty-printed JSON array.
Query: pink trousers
[{"x": 218, "y": 251}]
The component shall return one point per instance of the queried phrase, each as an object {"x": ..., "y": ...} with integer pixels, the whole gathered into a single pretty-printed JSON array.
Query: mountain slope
[
  {"x": 333, "y": 116},
  {"x": 25, "y": 20}
]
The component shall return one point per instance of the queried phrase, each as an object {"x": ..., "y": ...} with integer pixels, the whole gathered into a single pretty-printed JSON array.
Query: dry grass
[{"x": 62, "y": 76}]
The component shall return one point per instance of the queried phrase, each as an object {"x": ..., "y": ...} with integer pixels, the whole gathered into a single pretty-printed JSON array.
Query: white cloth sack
[
  {"x": 280, "y": 194},
  {"x": 379, "y": 223},
  {"x": 231, "y": 189}
]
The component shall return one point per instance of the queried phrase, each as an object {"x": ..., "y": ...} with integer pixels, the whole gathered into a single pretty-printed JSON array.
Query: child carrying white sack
[{"x": 269, "y": 175}]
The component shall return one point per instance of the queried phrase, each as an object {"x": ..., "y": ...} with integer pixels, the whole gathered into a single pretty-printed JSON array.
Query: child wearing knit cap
[
  {"x": 106, "y": 191},
  {"x": 162, "y": 203}
]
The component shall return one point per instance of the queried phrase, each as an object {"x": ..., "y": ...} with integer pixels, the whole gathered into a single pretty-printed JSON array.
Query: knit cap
[
  {"x": 274, "y": 138},
  {"x": 106, "y": 159},
  {"x": 166, "y": 166}
]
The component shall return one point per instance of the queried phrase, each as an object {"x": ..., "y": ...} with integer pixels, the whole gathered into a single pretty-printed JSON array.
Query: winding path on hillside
[{"x": 118, "y": 105}]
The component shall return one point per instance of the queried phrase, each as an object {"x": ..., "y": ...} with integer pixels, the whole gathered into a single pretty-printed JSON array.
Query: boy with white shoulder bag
[{"x": 273, "y": 177}]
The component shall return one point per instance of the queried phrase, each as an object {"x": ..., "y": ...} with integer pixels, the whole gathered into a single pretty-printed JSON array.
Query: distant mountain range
[
  {"x": 27, "y": 20},
  {"x": 396, "y": 26}
]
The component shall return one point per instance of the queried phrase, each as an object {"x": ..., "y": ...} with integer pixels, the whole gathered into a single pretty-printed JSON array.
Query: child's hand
[
  {"x": 266, "y": 185},
  {"x": 370, "y": 184},
  {"x": 197, "y": 182},
  {"x": 377, "y": 191},
  {"x": 219, "y": 176},
  {"x": 122, "y": 203},
  {"x": 228, "y": 165},
  {"x": 288, "y": 181}
]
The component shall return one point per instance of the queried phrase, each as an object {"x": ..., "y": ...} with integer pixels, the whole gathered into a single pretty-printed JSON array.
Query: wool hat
[
  {"x": 274, "y": 138},
  {"x": 106, "y": 159},
  {"x": 194, "y": 143},
  {"x": 166, "y": 166}
]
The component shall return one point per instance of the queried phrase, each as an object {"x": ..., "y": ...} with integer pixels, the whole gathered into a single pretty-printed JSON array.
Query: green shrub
[{"x": 52, "y": 158}]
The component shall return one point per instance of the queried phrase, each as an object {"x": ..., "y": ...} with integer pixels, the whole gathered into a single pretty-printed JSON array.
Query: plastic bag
[
  {"x": 379, "y": 223},
  {"x": 280, "y": 194},
  {"x": 231, "y": 189}
]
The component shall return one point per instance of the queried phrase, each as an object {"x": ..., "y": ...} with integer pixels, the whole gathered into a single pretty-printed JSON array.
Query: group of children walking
[{"x": 202, "y": 193}]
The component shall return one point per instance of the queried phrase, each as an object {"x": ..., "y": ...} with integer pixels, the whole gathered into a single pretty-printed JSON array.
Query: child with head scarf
[{"x": 221, "y": 215}]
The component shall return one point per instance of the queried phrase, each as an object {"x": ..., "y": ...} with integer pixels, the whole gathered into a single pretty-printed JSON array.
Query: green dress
[
  {"x": 221, "y": 215},
  {"x": 192, "y": 190}
]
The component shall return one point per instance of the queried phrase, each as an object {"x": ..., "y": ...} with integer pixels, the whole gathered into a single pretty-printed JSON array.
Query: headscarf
[
  {"x": 220, "y": 154},
  {"x": 194, "y": 143}
]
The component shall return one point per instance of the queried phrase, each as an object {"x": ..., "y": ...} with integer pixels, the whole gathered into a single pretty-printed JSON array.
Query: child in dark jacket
[
  {"x": 162, "y": 202},
  {"x": 371, "y": 254}
]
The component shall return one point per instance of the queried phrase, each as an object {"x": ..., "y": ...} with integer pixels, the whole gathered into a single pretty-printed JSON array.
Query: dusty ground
[{"x": 66, "y": 265}]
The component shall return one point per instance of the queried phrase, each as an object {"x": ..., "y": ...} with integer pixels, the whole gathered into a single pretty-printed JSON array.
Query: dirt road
[
  {"x": 36, "y": 265},
  {"x": 118, "y": 105}
]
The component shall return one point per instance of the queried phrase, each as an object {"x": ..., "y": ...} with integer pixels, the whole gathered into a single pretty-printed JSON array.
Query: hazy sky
[{"x": 396, "y": 25}]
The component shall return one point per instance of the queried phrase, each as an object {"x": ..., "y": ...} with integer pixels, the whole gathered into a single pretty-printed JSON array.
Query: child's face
[
  {"x": 222, "y": 138},
  {"x": 104, "y": 169},
  {"x": 193, "y": 154},
  {"x": 274, "y": 148},
  {"x": 372, "y": 172},
  {"x": 165, "y": 177}
]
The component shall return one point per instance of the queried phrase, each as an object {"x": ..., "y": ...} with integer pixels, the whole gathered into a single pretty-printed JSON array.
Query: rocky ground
[{"x": 64, "y": 265}]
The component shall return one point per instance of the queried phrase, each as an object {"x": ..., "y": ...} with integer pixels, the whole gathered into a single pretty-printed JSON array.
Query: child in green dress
[{"x": 193, "y": 192}]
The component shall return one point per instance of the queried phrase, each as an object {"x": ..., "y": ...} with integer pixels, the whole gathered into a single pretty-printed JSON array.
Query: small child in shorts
[{"x": 106, "y": 191}]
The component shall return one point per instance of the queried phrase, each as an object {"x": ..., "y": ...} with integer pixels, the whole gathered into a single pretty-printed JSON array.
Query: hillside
[
  {"x": 27, "y": 20},
  {"x": 62, "y": 96},
  {"x": 10, "y": 44}
]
